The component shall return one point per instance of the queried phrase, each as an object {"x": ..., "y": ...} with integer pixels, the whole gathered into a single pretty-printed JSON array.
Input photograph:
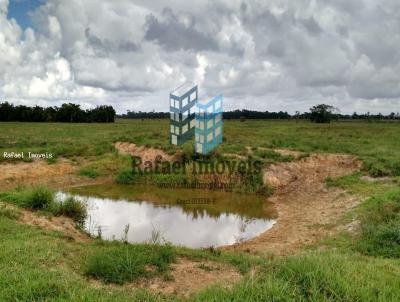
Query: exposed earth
[{"x": 307, "y": 209}]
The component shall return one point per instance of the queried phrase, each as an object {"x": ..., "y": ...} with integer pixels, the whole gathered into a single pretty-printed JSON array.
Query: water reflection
[{"x": 222, "y": 222}]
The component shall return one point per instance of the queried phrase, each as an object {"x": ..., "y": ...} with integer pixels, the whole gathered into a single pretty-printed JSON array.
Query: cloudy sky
[{"x": 264, "y": 55}]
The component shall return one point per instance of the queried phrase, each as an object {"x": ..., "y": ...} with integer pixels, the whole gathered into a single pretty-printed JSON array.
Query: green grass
[
  {"x": 36, "y": 265},
  {"x": 89, "y": 173},
  {"x": 120, "y": 263},
  {"x": 380, "y": 225},
  {"x": 70, "y": 207},
  {"x": 51, "y": 267},
  {"x": 327, "y": 276},
  {"x": 377, "y": 144},
  {"x": 39, "y": 198},
  {"x": 8, "y": 212},
  {"x": 109, "y": 164},
  {"x": 271, "y": 156},
  {"x": 355, "y": 184},
  {"x": 125, "y": 177},
  {"x": 43, "y": 199}
]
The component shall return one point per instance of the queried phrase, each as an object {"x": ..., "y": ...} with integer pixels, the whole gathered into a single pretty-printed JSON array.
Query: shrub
[
  {"x": 89, "y": 173},
  {"x": 36, "y": 199},
  {"x": 74, "y": 209},
  {"x": 125, "y": 177},
  {"x": 40, "y": 198}
]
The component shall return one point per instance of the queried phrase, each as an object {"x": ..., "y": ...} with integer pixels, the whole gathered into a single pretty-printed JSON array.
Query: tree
[{"x": 321, "y": 113}]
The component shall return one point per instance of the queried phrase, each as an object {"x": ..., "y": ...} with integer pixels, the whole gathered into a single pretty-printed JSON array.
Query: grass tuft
[
  {"x": 43, "y": 199},
  {"x": 121, "y": 263},
  {"x": 8, "y": 212},
  {"x": 74, "y": 209},
  {"x": 89, "y": 173},
  {"x": 125, "y": 177},
  {"x": 38, "y": 198}
]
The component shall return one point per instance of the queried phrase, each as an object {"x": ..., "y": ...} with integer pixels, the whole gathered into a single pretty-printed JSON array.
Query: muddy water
[{"x": 191, "y": 218}]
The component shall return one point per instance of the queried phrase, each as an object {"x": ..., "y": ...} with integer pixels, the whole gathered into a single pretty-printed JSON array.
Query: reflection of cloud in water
[{"x": 175, "y": 225}]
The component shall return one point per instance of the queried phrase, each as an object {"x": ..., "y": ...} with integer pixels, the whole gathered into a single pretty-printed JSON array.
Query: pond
[{"x": 191, "y": 218}]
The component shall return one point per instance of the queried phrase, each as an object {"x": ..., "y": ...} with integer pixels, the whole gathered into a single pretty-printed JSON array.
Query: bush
[
  {"x": 74, "y": 209},
  {"x": 36, "y": 199},
  {"x": 125, "y": 177},
  {"x": 89, "y": 173},
  {"x": 120, "y": 263},
  {"x": 40, "y": 199}
]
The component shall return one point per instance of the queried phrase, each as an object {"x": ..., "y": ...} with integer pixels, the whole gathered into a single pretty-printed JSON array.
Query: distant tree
[
  {"x": 321, "y": 113},
  {"x": 6, "y": 112},
  {"x": 102, "y": 114},
  {"x": 67, "y": 113}
]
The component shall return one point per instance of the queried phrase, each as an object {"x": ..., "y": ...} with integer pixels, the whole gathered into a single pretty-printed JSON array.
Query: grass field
[
  {"x": 38, "y": 265},
  {"x": 377, "y": 144}
]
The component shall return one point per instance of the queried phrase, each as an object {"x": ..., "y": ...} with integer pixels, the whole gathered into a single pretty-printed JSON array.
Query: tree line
[
  {"x": 67, "y": 113},
  {"x": 320, "y": 114},
  {"x": 236, "y": 114},
  {"x": 72, "y": 113}
]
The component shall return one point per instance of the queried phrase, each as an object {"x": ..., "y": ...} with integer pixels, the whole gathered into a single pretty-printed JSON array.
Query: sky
[{"x": 261, "y": 55}]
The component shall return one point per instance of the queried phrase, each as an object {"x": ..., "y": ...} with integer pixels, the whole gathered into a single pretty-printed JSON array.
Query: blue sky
[{"x": 19, "y": 10}]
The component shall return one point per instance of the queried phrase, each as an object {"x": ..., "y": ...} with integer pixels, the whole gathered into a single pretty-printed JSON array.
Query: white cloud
[{"x": 274, "y": 55}]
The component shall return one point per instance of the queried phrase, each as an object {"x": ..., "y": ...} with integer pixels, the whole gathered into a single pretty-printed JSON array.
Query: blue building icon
[
  {"x": 209, "y": 123},
  {"x": 191, "y": 118},
  {"x": 182, "y": 113}
]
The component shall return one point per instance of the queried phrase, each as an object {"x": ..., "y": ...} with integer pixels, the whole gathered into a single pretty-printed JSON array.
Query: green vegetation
[
  {"x": 39, "y": 198},
  {"x": 43, "y": 199},
  {"x": 271, "y": 156},
  {"x": 38, "y": 265},
  {"x": 125, "y": 177},
  {"x": 89, "y": 173},
  {"x": 120, "y": 263},
  {"x": 321, "y": 113},
  {"x": 380, "y": 225},
  {"x": 105, "y": 165},
  {"x": 70, "y": 207},
  {"x": 376, "y": 143},
  {"x": 8, "y": 212},
  {"x": 326, "y": 276},
  {"x": 317, "y": 276},
  {"x": 67, "y": 113}
]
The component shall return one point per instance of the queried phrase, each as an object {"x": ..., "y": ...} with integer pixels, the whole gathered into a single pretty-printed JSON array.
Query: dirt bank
[
  {"x": 60, "y": 224},
  {"x": 307, "y": 209},
  {"x": 59, "y": 175},
  {"x": 191, "y": 276},
  {"x": 146, "y": 154}
]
